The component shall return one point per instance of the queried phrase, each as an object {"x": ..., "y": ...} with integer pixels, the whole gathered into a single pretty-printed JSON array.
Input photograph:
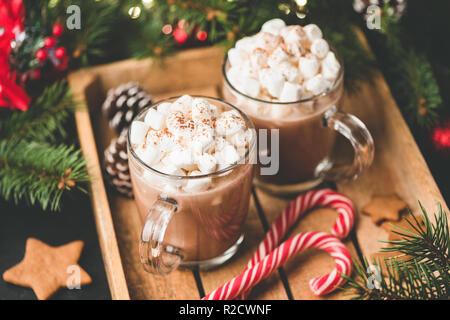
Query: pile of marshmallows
[
  {"x": 189, "y": 137},
  {"x": 283, "y": 63}
]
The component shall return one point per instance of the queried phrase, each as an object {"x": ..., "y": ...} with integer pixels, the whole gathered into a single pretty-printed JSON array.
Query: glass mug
[
  {"x": 190, "y": 229},
  {"x": 306, "y": 137}
]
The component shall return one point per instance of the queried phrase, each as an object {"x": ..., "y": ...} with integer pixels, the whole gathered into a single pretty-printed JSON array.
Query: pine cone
[
  {"x": 123, "y": 103},
  {"x": 116, "y": 165}
]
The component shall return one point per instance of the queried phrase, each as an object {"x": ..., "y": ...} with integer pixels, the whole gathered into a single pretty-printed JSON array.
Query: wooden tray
[{"x": 398, "y": 168}]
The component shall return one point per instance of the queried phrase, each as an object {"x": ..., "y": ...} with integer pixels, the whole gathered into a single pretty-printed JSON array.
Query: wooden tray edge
[{"x": 79, "y": 81}]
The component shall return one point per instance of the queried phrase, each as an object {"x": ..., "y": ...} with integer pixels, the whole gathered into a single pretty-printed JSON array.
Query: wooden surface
[
  {"x": 81, "y": 85},
  {"x": 398, "y": 167}
]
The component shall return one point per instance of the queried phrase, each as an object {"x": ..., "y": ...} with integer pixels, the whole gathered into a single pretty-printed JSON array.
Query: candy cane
[
  {"x": 319, "y": 286},
  {"x": 257, "y": 266}
]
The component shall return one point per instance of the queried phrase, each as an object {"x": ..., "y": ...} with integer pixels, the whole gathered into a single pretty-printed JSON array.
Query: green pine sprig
[
  {"x": 45, "y": 120},
  {"x": 40, "y": 173},
  {"x": 420, "y": 271},
  {"x": 35, "y": 167}
]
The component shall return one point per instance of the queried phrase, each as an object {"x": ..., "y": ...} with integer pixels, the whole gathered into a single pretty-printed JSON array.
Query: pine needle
[
  {"x": 39, "y": 173},
  {"x": 426, "y": 275}
]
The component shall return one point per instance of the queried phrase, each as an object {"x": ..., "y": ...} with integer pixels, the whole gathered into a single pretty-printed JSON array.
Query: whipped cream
[
  {"x": 190, "y": 137},
  {"x": 283, "y": 64}
]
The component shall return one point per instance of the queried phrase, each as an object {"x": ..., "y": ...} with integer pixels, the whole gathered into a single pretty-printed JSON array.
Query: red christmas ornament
[
  {"x": 441, "y": 136},
  {"x": 180, "y": 35},
  {"x": 58, "y": 30},
  {"x": 60, "y": 52},
  {"x": 202, "y": 35},
  {"x": 41, "y": 55},
  {"x": 49, "y": 42}
]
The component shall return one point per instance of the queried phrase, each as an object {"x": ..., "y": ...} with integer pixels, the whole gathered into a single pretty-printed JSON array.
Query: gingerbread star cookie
[
  {"x": 385, "y": 208},
  {"x": 45, "y": 269}
]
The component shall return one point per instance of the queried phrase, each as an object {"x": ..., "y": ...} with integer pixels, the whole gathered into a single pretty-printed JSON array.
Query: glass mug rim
[
  {"x": 247, "y": 120},
  {"x": 336, "y": 83}
]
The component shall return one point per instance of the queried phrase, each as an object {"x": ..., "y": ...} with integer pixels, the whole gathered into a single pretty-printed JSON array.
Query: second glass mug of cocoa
[
  {"x": 306, "y": 137},
  {"x": 202, "y": 228}
]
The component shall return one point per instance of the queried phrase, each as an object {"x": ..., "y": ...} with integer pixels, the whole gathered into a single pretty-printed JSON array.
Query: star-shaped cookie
[
  {"x": 385, "y": 208},
  {"x": 45, "y": 269}
]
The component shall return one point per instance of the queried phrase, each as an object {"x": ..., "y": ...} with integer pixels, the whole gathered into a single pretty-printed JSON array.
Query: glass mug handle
[
  {"x": 156, "y": 256},
  {"x": 356, "y": 132}
]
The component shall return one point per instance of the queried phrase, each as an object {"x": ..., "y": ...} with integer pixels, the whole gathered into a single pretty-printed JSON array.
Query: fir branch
[
  {"x": 425, "y": 275},
  {"x": 46, "y": 118},
  {"x": 39, "y": 173}
]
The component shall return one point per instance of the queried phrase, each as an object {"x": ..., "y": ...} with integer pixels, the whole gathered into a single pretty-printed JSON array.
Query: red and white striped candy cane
[
  {"x": 321, "y": 285},
  {"x": 306, "y": 201},
  {"x": 311, "y": 199}
]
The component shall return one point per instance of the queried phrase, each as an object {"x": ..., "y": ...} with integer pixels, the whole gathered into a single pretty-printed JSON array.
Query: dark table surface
[{"x": 74, "y": 222}]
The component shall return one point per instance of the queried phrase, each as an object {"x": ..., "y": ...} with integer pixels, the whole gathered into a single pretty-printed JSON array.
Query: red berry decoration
[
  {"x": 202, "y": 35},
  {"x": 60, "y": 52},
  {"x": 441, "y": 136},
  {"x": 49, "y": 42},
  {"x": 58, "y": 30},
  {"x": 41, "y": 55},
  {"x": 180, "y": 35}
]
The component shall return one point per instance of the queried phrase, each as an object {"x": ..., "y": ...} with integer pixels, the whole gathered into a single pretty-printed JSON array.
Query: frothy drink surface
[
  {"x": 191, "y": 137},
  {"x": 287, "y": 78}
]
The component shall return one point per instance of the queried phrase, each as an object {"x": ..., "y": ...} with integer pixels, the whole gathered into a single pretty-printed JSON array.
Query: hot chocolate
[
  {"x": 194, "y": 153},
  {"x": 287, "y": 78}
]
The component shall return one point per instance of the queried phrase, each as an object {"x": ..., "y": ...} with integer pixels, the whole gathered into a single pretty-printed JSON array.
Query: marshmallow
[
  {"x": 228, "y": 155},
  {"x": 293, "y": 35},
  {"x": 178, "y": 124},
  {"x": 220, "y": 143},
  {"x": 330, "y": 67},
  {"x": 206, "y": 163},
  {"x": 154, "y": 119},
  {"x": 276, "y": 57},
  {"x": 197, "y": 185},
  {"x": 236, "y": 57},
  {"x": 153, "y": 137},
  {"x": 245, "y": 44},
  {"x": 168, "y": 168},
  {"x": 181, "y": 158},
  {"x": 228, "y": 123},
  {"x": 290, "y": 72},
  {"x": 239, "y": 139},
  {"x": 266, "y": 41},
  {"x": 317, "y": 85},
  {"x": 167, "y": 142},
  {"x": 138, "y": 131},
  {"x": 181, "y": 137},
  {"x": 164, "y": 108},
  {"x": 309, "y": 66},
  {"x": 201, "y": 110},
  {"x": 273, "y": 81},
  {"x": 296, "y": 50},
  {"x": 149, "y": 154},
  {"x": 234, "y": 76},
  {"x": 182, "y": 103},
  {"x": 294, "y": 40},
  {"x": 250, "y": 87},
  {"x": 203, "y": 135},
  {"x": 273, "y": 26},
  {"x": 258, "y": 58},
  {"x": 292, "y": 92},
  {"x": 313, "y": 32},
  {"x": 320, "y": 48}
]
